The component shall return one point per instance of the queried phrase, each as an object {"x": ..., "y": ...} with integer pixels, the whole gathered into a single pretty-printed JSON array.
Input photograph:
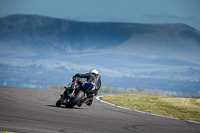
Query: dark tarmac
[{"x": 25, "y": 110}]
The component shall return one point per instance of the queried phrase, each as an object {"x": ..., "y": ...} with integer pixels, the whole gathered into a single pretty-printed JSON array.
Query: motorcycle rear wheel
[{"x": 79, "y": 96}]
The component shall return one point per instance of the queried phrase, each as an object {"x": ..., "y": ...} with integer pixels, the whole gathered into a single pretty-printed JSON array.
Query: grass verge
[{"x": 182, "y": 108}]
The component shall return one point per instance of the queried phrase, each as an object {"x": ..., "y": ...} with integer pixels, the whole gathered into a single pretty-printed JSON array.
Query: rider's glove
[{"x": 73, "y": 86}]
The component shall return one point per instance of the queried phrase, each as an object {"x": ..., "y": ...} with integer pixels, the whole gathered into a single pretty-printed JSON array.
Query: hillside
[
  {"x": 51, "y": 33},
  {"x": 38, "y": 51}
]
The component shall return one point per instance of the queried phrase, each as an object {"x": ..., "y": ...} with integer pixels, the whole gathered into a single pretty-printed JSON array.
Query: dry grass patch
[{"x": 182, "y": 108}]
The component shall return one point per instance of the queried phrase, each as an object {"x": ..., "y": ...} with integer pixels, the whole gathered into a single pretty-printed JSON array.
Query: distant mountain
[
  {"x": 38, "y": 51},
  {"x": 58, "y": 33},
  {"x": 40, "y": 31}
]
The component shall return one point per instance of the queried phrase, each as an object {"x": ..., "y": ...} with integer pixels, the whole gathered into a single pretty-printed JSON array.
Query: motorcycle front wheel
[{"x": 58, "y": 103}]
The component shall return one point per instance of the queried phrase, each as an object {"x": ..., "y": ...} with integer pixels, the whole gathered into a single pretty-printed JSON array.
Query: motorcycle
[{"x": 77, "y": 96}]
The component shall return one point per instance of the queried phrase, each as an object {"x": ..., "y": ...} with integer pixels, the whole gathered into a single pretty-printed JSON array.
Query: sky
[{"x": 132, "y": 11}]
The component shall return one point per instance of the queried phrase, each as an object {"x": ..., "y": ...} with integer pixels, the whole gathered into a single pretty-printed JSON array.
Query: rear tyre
[{"x": 79, "y": 96}]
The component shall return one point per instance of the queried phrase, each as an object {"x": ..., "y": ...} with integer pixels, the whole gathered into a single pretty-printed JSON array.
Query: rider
[{"x": 92, "y": 77}]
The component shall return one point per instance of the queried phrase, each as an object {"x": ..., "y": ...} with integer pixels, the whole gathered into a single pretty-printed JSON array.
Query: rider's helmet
[{"x": 94, "y": 71}]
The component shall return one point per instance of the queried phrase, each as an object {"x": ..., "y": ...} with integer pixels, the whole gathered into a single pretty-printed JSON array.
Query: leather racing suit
[{"x": 90, "y": 77}]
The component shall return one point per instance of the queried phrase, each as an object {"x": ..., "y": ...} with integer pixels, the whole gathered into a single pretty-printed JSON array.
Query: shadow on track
[{"x": 54, "y": 106}]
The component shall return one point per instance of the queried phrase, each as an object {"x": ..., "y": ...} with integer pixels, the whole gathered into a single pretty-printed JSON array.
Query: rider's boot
[{"x": 89, "y": 102}]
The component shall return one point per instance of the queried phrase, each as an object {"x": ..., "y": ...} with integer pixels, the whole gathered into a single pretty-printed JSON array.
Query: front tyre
[
  {"x": 58, "y": 103},
  {"x": 79, "y": 96}
]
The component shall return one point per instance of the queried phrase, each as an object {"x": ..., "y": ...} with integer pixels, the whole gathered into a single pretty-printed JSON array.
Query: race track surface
[{"x": 33, "y": 111}]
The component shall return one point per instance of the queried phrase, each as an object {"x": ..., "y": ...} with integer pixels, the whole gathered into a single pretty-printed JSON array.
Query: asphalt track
[{"x": 33, "y": 111}]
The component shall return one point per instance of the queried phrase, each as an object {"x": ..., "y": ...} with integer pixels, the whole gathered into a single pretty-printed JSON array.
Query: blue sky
[{"x": 136, "y": 11}]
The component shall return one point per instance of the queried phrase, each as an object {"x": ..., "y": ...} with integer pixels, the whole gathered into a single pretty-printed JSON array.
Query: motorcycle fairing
[{"x": 87, "y": 87}]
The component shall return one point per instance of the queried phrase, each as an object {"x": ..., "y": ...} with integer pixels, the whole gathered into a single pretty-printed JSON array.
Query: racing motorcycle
[{"x": 78, "y": 96}]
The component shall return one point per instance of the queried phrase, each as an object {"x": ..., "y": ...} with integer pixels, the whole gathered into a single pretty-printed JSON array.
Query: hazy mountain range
[{"x": 37, "y": 51}]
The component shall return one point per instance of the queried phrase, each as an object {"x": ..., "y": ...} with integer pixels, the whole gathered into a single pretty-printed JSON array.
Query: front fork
[{"x": 66, "y": 96}]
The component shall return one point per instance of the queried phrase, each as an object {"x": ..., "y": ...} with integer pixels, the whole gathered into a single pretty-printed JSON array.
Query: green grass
[{"x": 182, "y": 108}]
